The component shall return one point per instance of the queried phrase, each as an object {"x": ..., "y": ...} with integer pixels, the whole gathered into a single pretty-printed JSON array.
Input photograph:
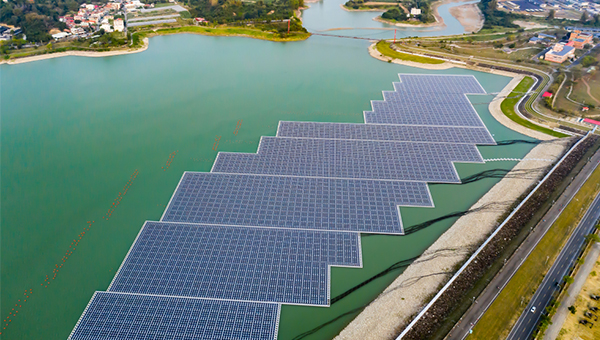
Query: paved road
[
  {"x": 485, "y": 299},
  {"x": 528, "y": 320},
  {"x": 572, "y": 293},
  {"x": 578, "y": 60}
]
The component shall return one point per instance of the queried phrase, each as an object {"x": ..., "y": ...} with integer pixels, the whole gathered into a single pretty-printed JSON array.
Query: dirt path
[{"x": 590, "y": 93}]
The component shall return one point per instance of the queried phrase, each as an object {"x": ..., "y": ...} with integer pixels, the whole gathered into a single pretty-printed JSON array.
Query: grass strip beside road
[
  {"x": 508, "y": 108},
  {"x": 384, "y": 48},
  {"x": 230, "y": 31},
  {"x": 504, "y": 312}
]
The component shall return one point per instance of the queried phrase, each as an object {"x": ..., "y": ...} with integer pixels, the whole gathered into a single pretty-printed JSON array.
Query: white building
[
  {"x": 415, "y": 11},
  {"x": 119, "y": 25},
  {"x": 106, "y": 27},
  {"x": 90, "y": 7},
  {"x": 60, "y": 35}
]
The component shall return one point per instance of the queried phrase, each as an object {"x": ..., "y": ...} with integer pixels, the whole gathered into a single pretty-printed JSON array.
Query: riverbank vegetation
[
  {"x": 402, "y": 14},
  {"x": 363, "y": 5},
  {"x": 384, "y": 48},
  {"x": 494, "y": 17},
  {"x": 272, "y": 35},
  {"x": 508, "y": 108},
  {"x": 228, "y": 11}
]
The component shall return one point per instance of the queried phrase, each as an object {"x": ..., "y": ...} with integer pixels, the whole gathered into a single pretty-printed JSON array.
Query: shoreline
[
  {"x": 150, "y": 34},
  {"x": 468, "y": 15},
  {"x": 495, "y": 105},
  {"x": 75, "y": 54},
  {"x": 411, "y": 290}
]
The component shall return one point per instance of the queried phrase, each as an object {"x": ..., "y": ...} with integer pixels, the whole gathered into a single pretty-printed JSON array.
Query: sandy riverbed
[
  {"x": 76, "y": 53},
  {"x": 469, "y": 16}
]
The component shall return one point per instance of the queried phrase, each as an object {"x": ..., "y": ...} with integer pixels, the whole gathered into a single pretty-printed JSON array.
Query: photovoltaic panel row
[
  {"x": 424, "y": 110},
  {"x": 142, "y": 317},
  {"x": 431, "y": 162},
  {"x": 401, "y": 133},
  {"x": 369, "y": 206},
  {"x": 235, "y": 263},
  {"x": 435, "y": 84}
]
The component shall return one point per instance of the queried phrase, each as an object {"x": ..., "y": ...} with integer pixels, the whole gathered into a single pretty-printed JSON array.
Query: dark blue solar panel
[
  {"x": 430, "y": 162},
  {"x": 401, "y": 133},
  {"x": 435, "y": 83},
  {"x": 238, "y": 263},
  {"x": 142, "y": 317},
  {"x": 428, "y": 100},
  {"x": 294, "y": 202},
  {"x": 268, "y": 226}
]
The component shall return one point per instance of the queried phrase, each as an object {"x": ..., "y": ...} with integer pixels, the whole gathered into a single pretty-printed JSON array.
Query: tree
[
  {"x": 568, "y": 279},
  {"x": 592, "y": 238},
  {"x": 588, "y": 61},
  {"x": 551, "y": 14},
  {"x": 572, "y": 309},
  {"x": 584, "y": 17}
]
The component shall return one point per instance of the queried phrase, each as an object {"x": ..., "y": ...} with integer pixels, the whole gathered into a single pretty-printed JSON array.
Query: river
[{"x": 74, "y": 130}]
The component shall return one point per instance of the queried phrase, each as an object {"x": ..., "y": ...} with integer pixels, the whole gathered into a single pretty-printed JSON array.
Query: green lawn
[
  {"x": 508, "y": 108},
  {"x": 384, "y": 48},
  {"x": 504, "y": 312},
  {"x": 223, "y": 31}
]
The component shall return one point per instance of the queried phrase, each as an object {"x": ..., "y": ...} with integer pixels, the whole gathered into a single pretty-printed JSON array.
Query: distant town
[{"x": 567, "y": 9}]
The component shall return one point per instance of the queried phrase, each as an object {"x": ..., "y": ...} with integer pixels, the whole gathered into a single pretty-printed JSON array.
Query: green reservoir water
[{"x": 75, "y": 131}]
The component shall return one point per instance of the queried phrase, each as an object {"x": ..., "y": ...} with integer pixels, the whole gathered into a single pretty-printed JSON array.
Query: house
[
  {"x": 547, "y": 94},
  {"x": 199, "y": 20},
  {"x": 77, "y": 31},
  {"x": 106, "y": 27},
  {"x": 542, "y": 35},
  {"x": 119, "y": 25},
  {"x": 536, "y": 40},
  {"x": 559, "y": 53},
  {"x": 580, "y": 39},
  {"x": 415, "y": 11},
  {"x": 60, "y": 35}
]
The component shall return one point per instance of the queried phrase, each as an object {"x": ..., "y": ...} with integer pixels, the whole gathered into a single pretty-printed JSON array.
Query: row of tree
[{"x": 227, "y": 11}]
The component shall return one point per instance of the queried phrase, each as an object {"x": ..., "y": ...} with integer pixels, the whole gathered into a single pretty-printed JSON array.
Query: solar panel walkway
[{"x": 261, "y": 230}]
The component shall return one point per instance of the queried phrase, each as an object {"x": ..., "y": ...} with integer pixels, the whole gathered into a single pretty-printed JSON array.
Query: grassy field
[
  {"x": 580, "y": 90},
  {"x": 508, "y": 108},
  {"x": 384, "y": 48},
  {"x": 571, "y": 329},
  {"x": 235, "y": 31},
  {"x": 504, "y": 312}
]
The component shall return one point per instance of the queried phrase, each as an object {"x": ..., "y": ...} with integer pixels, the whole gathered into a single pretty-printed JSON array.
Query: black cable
[{"x": 395, "y": 266}]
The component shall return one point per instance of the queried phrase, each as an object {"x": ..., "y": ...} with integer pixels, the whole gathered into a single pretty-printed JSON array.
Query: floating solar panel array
[{"x": 264, "y": 229}]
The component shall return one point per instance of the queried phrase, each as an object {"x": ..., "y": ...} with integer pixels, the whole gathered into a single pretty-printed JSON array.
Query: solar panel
[
  {"x": 436, "y": 83},
  {"x": 379, "y": 132},
  {"x": 143, "y": 317},
  {"x": 264, "y": 229},
  {"x": 336, "y": 158},
  {"x": 236, "y": 263},
  {"x": 428, "y": 100},
  {"x": 294, "y": 202}
]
